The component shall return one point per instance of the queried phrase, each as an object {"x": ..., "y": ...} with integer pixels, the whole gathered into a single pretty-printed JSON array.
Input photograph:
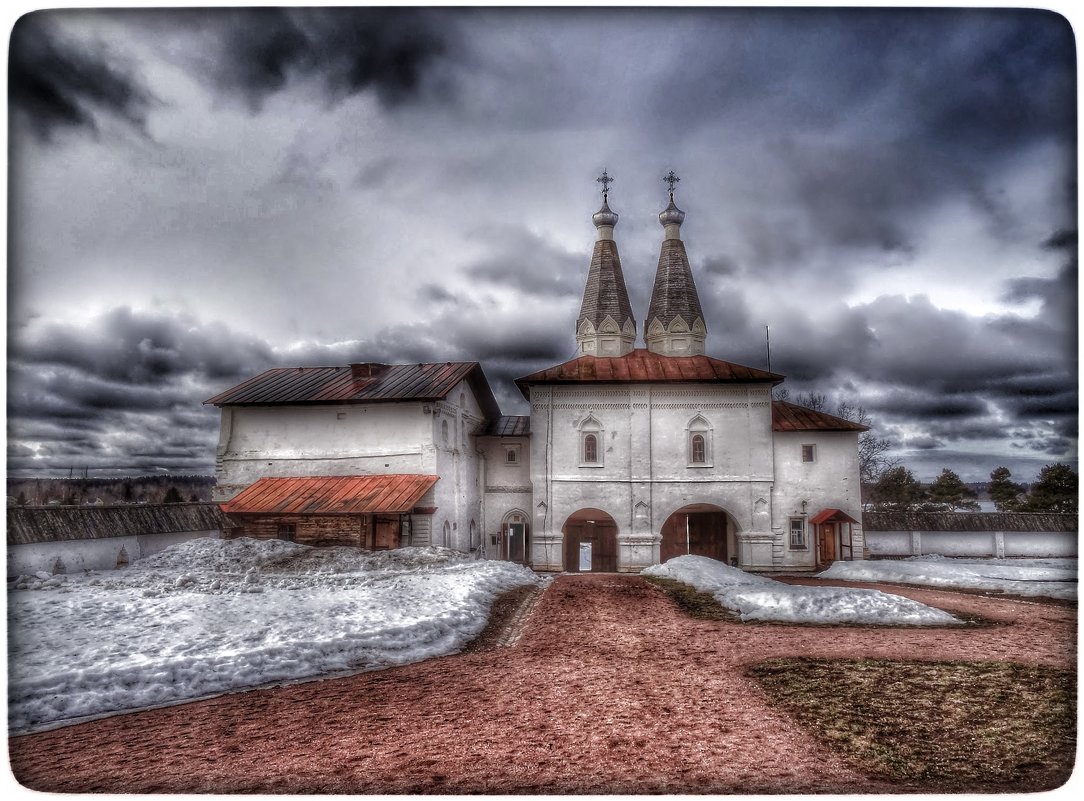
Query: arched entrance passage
[
  {"x": 590, "y": 542},
  {"x": 700, "y": 528}
]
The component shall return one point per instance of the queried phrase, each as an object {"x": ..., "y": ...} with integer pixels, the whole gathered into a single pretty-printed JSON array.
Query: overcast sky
[{"x": 198, "y": 195}]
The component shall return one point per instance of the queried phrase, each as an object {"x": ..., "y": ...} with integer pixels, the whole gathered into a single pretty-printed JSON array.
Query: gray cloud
[
  {"x": 55, "y": 82},
  {"x": 260, "y": 51}
]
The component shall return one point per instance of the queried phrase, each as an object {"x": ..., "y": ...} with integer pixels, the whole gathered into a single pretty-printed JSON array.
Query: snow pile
[
  {"x": 211, "y": 616},
  {"x": 1053, "y": 578},
  {"x": 755, "y": 597}
]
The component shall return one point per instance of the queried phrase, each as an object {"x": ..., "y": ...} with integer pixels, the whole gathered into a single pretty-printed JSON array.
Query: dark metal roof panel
[
  {"x": 360, "y": 383},
  {"x": 508, "y": 426},
  {"x": 377, "y": 494},
  {"x": 788, "y": 416}
]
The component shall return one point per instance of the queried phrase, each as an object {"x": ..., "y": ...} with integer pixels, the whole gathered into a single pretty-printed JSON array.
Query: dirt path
[{"x": 610, "y": 689}]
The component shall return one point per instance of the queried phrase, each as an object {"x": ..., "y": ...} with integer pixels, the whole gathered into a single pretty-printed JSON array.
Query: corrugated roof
[
  {"x": 359, "y": 383},
  {"x": 29, "y": 524},
  {"x": 326, "y": 495},
  {"x": 642, "y": 366},
  {"x": 507, "y": 426},
  {"x": 969, "y": 521},
  {"x": 788, "y": 416}
]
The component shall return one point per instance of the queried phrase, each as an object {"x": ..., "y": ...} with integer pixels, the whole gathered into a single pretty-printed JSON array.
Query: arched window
[
  {"x": 591, "y": 442},
  {"x": 698, "y": 436},
  {"x": 447, "y": 534},
  {"x": 699, "y": 449},
  {"x": 590, "y": 448},
  {"x": 444, "y": 431}
]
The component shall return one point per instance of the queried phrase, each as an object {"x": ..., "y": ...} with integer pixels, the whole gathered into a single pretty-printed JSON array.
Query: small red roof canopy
[
  {"x": 831, "y": 516},
  {"x": 325, "y": 495}
]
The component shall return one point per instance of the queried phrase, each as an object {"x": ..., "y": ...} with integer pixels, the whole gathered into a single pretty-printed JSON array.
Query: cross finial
[
  {"x": 605, "y": 180},
  {"x": 671, "y": 179}
]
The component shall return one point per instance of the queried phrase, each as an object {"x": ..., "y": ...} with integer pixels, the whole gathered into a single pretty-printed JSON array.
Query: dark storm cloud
[
  {"x": 524, "y": 261},
  {"x": 920, "y": 406},
  {"x": 56, "y": 82},
  {"x": 345, "y": 50},
  {"x": 875, "y": 115},
  {"x": 142, "y": 348}
]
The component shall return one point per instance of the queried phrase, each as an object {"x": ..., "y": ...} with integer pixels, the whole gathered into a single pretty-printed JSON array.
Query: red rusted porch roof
[
  {"x": 831, "y": 516},
  {"x": 643, "y": 366},
  {"x": 325, "y": 495},
  {"x": 788, "y": 416}
]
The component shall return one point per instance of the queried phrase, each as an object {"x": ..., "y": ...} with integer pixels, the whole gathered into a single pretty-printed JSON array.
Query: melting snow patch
[
  {"x": 1052, "y": 578},
  {"x": 211, "y": 616},
  {"x": 755, "y": 597}
]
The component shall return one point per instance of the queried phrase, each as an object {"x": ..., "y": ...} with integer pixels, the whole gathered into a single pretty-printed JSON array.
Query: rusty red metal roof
[
  {"x": 641, "y": 366},
  {"x": 507, "y": 426},
  {"x": 359, "y": 383},
  {"x": 787, "y": 416},
  {"x": 330, "y": 495},
  {"x": 831, "y": 516}
]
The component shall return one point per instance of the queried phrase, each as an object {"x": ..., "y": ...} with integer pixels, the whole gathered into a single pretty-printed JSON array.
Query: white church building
[{"x": 629, "y": 456}]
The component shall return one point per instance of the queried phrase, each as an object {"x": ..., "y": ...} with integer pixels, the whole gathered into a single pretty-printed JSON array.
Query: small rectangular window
[
  {"x": 288, "y": 532},
  {"x": 809, "y": 453},
  {"x": 511, "y": 456},
  {"x": 797, "y": 532}
]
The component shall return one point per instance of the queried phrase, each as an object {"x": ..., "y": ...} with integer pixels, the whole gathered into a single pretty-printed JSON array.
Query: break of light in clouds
[{"x": 200, "y": 194}]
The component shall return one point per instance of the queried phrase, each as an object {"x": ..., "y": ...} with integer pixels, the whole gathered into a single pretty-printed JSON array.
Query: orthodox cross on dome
[
  {"x": 671, "y": 179},
  {"x": 605, "y": 180}
]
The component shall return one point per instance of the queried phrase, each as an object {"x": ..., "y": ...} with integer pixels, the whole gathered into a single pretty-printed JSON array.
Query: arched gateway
[
  {"x": 702, "y": 529},
  {"x": 590, "y": 542}
]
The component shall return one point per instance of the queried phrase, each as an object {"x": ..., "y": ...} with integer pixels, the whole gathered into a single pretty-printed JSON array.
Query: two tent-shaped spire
[{"x": 675, "y": 321}]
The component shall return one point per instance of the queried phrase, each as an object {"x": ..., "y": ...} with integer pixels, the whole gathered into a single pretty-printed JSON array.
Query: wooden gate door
[{"x": 826, "y": 544}]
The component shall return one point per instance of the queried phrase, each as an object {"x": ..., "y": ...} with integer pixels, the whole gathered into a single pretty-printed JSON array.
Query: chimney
[{"x": 365, "y": 370}]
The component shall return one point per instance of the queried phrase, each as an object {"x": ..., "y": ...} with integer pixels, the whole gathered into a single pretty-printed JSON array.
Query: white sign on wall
[{"x": 585, "y": 556}]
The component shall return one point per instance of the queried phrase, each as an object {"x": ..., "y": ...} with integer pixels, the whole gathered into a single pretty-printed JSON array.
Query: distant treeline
[{"x": 108, "y": 491}]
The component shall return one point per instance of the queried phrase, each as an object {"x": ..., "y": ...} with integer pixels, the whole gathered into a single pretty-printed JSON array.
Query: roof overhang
[
  {"x": 332, "y": 495},
  {"x": 831, "y": 516}
]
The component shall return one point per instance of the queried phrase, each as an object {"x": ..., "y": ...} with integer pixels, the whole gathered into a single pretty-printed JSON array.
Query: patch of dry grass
[
  {"x": 693, "y": 602},
  {"x": 936, "y": 726}
]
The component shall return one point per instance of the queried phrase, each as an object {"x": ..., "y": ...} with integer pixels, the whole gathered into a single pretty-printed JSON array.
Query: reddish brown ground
[{"x": 610, "y": 690}]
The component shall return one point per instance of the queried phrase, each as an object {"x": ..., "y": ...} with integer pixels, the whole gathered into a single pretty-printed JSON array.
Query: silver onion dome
[
  {"x": 604, "y": 216},
  {"x": 671, "y": 215}
]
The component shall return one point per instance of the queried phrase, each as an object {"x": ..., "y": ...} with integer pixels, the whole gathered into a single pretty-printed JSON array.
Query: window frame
[
  {"x": 591, "y": 427},
  {"x": 811, "y": 449},
  {"x": 803, "y": 534},
  {"x": 287, "y": 532},
  {"x": 699, "y": 426}
]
